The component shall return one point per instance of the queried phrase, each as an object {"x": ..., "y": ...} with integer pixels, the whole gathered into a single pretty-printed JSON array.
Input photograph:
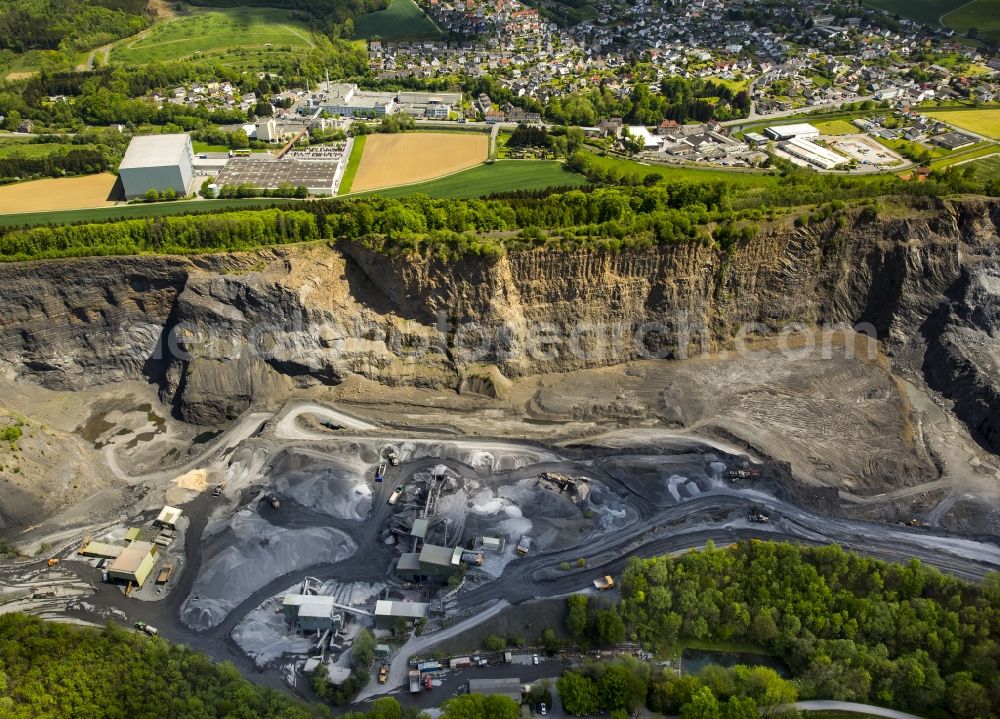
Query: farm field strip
[
  {"x": 985, "y": 122},
  {"x": 406, "y": 158},
  {"x": 499, "y": 176},
  {"x": 64, "y": 193}
]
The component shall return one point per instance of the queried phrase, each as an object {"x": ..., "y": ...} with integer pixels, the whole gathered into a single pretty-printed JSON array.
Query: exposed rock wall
[{"x": 221, "y": 332}]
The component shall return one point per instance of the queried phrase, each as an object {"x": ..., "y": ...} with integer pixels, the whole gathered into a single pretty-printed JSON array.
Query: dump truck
[
  {"x": 165, "y": 574},
  {"x": 273, "y": 500},
  {"x": 393, "y": 457},
  {"x": 605, "y": 582},
  {"x": 396, "y": 494},
  {"x": 53, "y": 562},
  {"x": 380, "y": 472},
  {"x": 475, "y": 558},
  {"x": 524, "y": 545},
  {"x": 383, "y": 674},
  {"x": 147, "y": 628},
  {"x": 414, "y": 681}
]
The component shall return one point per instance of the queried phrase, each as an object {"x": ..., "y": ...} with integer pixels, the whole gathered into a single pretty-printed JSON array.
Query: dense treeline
[
  {"x": 68, "y": 24},
  {"x": 82, "y": 161},
  {"x": 55, "y": 671},
  {"x": 179, "y": 234},
  {"x": 708, "y": 212},
  {"x": 628, "y": 684},
  {"x": 849, "y": 627}
]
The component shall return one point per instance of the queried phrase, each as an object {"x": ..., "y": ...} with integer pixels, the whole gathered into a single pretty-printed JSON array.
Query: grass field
[
  {"x": 131, "y": 212},
  {"x": 405, "y": 158},
  {"x": 986, "y": 167},
  {"x": 981, "y": 122},
  {"x": 215, "y": 31},
  {"x": 836, "y": 127},
  {"x": 910, "y": 149},
  {"x": 983, "y": 15},
  {"x": 981, "y": 149},
  {"x": 500, "y": 176},
  {"x": 684, "y": 173},
  {"x": 357, "y": 150},
  {"x": 9, "y": 148},
  {"x": 927, "y": 11},
  {"x": 402, "y": 19}
]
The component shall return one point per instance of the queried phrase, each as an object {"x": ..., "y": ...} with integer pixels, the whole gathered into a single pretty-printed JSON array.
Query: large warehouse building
[
  {"x": 801, "y": 130},
  {"x": 157, "y": 162}
]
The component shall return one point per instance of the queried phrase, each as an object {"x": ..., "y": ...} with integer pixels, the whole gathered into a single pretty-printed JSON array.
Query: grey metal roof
[
  {"x": 407, "y": 610},
  {"x": 509, "y": 687},
  {"x": 154, "y": 151},
  {"x": 441, "y": 556}
]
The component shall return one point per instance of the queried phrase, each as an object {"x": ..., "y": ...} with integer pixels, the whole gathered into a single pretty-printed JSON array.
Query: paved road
[
  {"x": 830, "y": 705},
  {"x": 823, "y": 107}
]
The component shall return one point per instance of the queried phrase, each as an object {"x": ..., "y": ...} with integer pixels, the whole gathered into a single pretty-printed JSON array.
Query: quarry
[{"x": 363, "y": 471}]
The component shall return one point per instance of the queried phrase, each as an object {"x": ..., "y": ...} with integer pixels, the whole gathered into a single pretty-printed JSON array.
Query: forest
[
  {"x": 68, "y": 24},
  {"x": 623, "y": 686},
  {"x": 848, "y": 627},
  {"x": 57, "y": 671},
  {"x": 225, "y": 231},
  {"x": 60, "y": 671}
]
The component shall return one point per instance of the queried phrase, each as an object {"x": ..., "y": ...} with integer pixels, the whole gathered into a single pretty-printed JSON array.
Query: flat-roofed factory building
[{"x": 157, "y": 162}]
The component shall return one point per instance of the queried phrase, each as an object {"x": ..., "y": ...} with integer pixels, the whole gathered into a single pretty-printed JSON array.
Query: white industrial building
[
  {"x": 649, "y": 140},
  {"x": 787, "y": 132},
  {"x": 157, "y": 162},
  {"x": 812, "y": 153}
]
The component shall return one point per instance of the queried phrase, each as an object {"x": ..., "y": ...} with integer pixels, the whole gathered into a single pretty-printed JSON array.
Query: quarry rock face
[{"x": 222, "y": 332}]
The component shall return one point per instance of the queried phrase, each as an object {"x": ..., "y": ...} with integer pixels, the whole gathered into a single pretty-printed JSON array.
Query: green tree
[
  {"x": 576, "y": 619},
  {"x": 577, "y": 693},
  {"x": 740, "y": 708},
  {"x": 494, "y": 643},
  {"x": 549, "y": 640},
  {"x": 703, "y": 705}
]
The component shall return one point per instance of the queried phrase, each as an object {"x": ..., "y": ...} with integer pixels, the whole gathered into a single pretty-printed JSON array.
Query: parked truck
[
  {"x": 380, "y": 472},
  {"x": 393, "y": 457},
  {"x": 383, "y": 674},
  {"x": 604, "y": 583},
  {"x": 148, "y": 629},
  {"x": 414, "y": 681}
]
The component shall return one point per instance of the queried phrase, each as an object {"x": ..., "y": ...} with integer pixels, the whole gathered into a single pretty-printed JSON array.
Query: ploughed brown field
[
  {"x": 400, "y": 159},
  {"x": 62, "y": 193}
]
